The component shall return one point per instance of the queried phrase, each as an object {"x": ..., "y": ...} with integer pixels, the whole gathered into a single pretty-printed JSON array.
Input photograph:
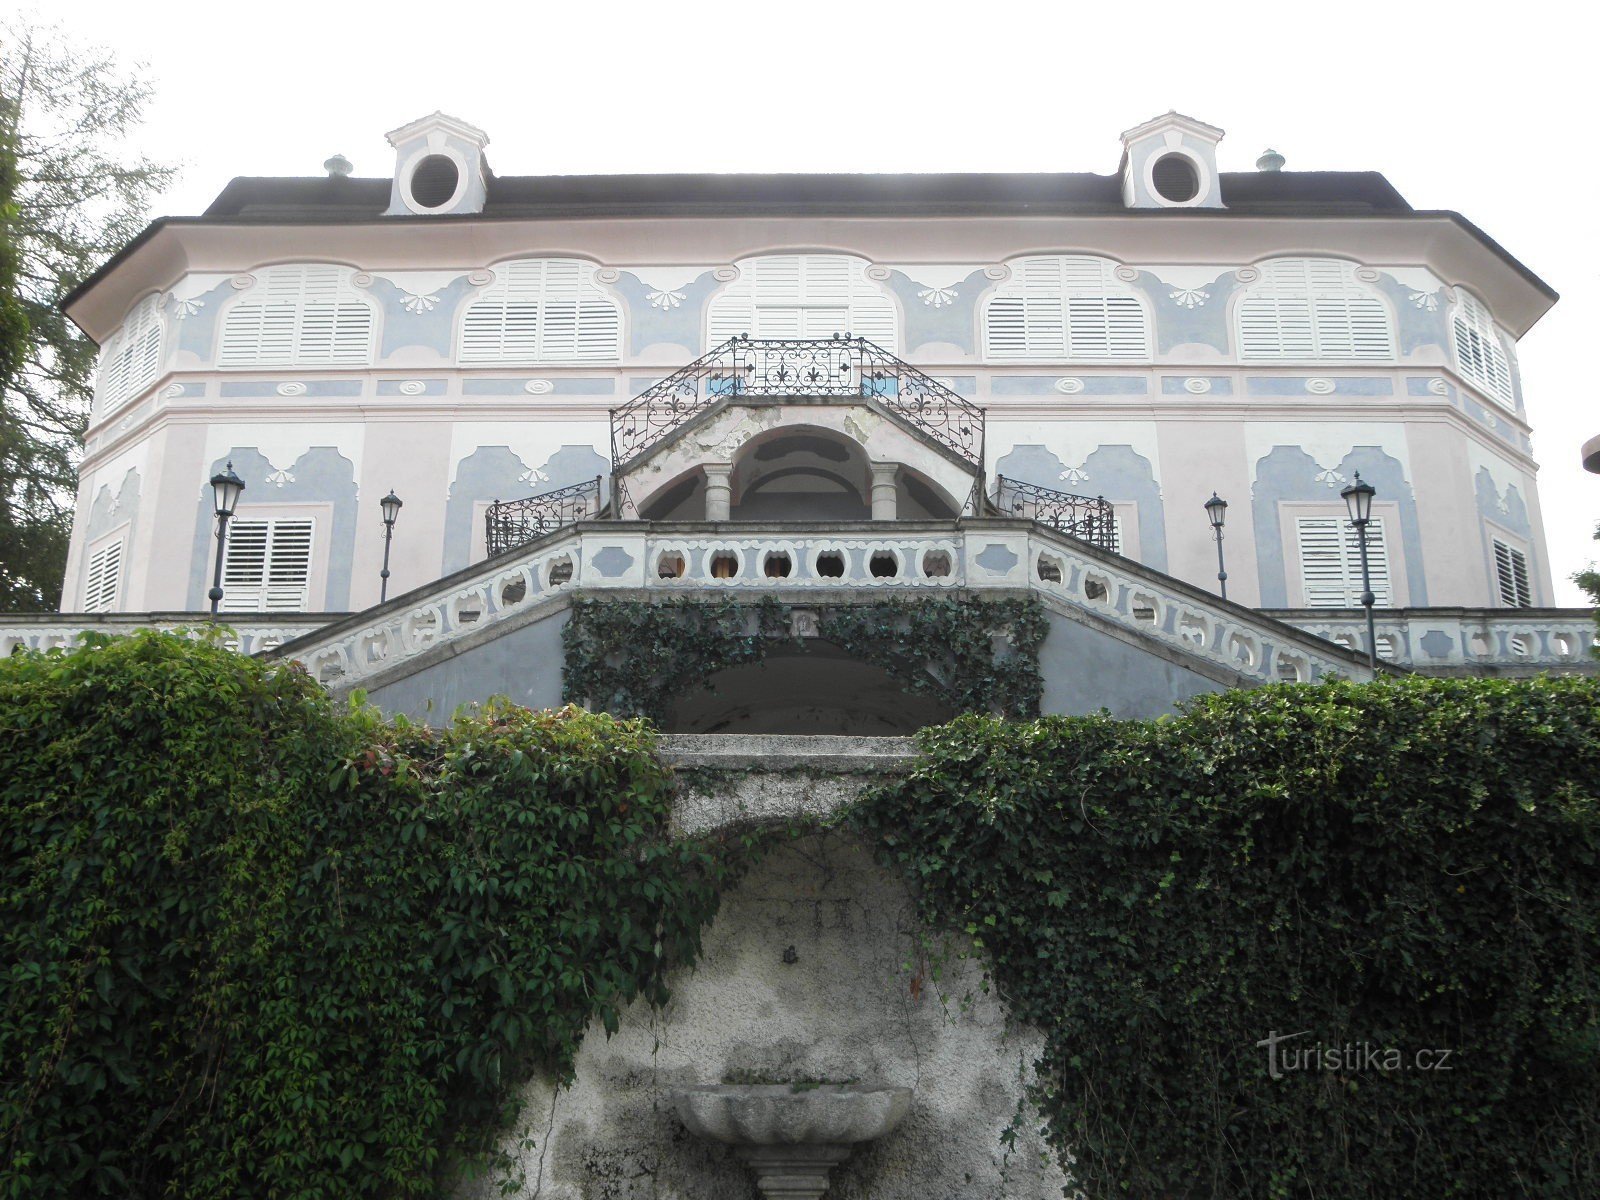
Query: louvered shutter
[
  {"x": 1330, "y": 562},
  {"x": 132, "y": 357},
  {"x": 1511, "y": 576},
  {"x": 1314, "y": 310},
  {"x": 299, "y": 315},
  {"x": 105, "y": 574},
  {"x": 803, "y": 296},
  {"x": 1066, "y": 308},
  {"x": 267, "y": 566},
  {"x": 1479, "y": 352},
  {"x": 542, "y": 310}
]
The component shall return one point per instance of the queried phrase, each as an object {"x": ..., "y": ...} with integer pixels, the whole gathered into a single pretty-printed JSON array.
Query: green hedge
[
  {"x": 254, "y": 945},
  {"x": 1402, "y": 866}
]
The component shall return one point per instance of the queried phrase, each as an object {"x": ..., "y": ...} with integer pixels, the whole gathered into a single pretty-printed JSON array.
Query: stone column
[
  {"x": 884, "y": 506},
  {"x": 719, "y": 491}
]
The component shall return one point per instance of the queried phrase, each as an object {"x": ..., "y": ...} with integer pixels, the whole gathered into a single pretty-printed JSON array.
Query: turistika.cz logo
[{"x": 1284, "y": 1055}]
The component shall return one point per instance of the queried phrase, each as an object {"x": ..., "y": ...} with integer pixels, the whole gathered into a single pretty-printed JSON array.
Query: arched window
[
  {"x": 132, "y": 357},
  {"x": 803, "y": 296},
  {"x": 299, "y": 314},
  {"x": 1479, "y": 351},
  {"x": 542, "y": 310},
  {"x": 1312, "y": 310},
  {"x": 1061, "y": 307}
]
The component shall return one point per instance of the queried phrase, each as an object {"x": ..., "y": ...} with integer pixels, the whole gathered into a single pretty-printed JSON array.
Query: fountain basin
[{"x": 785, "y": 1114}]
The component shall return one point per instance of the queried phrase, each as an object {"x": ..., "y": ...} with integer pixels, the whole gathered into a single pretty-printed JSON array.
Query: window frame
[
  {"x": 861, "y": 292},
  {"x": 258, "y": 293},
  {"x": 321, "y": 517},
  {"x": 118, "y": 538},
  {"x": 1108, "y": 287},
  {"x": 501, "y": 291},
  {"x": 1355, "y": 287},
  {"x": 107, "y": 400},
  {"x": 1501, "y": 538},
  {"x": 1387, "y": 515},
  {"x": 1470, "y": 311}
]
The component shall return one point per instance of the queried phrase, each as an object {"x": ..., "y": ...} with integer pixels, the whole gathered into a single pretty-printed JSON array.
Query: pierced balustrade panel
[
  {"x": 512, "y": 523},
  {"x": 1088, "y": 518}
]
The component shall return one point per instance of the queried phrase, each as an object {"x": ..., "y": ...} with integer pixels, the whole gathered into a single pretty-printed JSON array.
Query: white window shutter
[
  {"x": 1511, "y": 576},
  {"x": 105, "y": 576},
  {"x": 1066, "y": 307},
  {"x": 132, "y": 356},
  {"x": 1312, "y": 310},
  {"x": 541, "y": 310},
  {"x": 803, "y": 296},
  {"x": 299, "y": 314},
  {"x": 1479, "y": 351},
  {"x": 1330, "y": 562},
  {"x": 267, "y": 566}
]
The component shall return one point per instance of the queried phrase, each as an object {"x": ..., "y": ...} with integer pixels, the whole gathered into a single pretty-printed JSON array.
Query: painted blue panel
[
  {"x": 1288, "y": 473},
  {"x": 1045, "y": 385},
  {"x": 197, "y": 328},
  {"x": 430, "y": 387},
  {"x": 495, "y": 473},
  {"x": 1117, "y": 473},
  {"x": 997, "y": 558},
  {"x": 947, "y": 316},
  {"x": 411, "y": 321},
  {"x": 320, "y": 475},
  {"x": 1189, "y": 316},
  {"x": 670, "y": 319},
  {"x": 1221, "y": 385},
  {"x": 612, "y": 562}
]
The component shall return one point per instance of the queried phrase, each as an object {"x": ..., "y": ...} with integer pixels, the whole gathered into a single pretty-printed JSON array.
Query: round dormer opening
[
  {"x": 1175, "y": 178},
  {"x": 434, "y": 181}
]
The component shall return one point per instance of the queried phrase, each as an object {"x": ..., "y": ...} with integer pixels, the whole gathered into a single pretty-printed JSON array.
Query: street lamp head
[
  {"x": 1358, "y": 499},
  {"x": 391, "y": 507},
  {"x": 1217, "y": 510},
  {"x": 225, "y": 489}
]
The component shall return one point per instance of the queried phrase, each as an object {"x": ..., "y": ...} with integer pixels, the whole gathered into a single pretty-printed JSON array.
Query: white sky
[{"x": 1469, "y": 106}]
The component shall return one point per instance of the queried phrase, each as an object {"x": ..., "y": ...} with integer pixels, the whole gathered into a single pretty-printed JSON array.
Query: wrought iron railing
[
  {"x": 511, "y": 523},
  {"x": 1088, "y": 518},
  {"x": 840, "y": 366}
]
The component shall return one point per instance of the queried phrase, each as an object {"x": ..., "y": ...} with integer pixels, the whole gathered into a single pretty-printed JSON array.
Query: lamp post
[
  {"x": 1358, "y": 499},
  {"x": 1217, "y": 511},
  {"x": 391, "y": 509},
  {"x": 225, "y": 489}
]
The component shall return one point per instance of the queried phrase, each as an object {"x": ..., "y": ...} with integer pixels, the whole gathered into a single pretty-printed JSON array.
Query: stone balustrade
[
  {"x": 1461, "y": 641},
  {"x": 248, "y": 633}
]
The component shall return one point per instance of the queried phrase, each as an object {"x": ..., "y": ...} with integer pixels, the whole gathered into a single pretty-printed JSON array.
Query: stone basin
[
  {"x": 785, "y": 1114},
  {"x": 791, "y": 1135}
]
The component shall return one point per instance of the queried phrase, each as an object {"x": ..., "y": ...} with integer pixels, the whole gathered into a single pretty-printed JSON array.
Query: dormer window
[
  {"x": 1171, "y": 162},
  {"x": 439, "y": 168}
]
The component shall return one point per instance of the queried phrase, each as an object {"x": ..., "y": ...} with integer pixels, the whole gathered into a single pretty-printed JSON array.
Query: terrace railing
[
  {"x": 1088, "y": 518},
  {"x": 775, "y": 368},
  {"x": 512, "y": 523}
]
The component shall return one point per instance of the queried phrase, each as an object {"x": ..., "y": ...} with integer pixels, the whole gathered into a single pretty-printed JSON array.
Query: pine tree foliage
[{"x": 67, "y": 114}]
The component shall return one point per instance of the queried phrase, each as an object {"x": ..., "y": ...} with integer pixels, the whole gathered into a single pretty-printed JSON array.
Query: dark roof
[{"x": 1249, "y": 193}]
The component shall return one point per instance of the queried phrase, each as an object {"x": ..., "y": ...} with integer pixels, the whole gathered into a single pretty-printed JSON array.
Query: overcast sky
[{"x": 1466, "y": 107}]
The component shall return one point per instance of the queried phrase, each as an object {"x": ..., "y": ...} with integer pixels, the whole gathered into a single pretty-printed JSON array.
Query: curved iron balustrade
[
  {"x": 1087, "y": 518},
  {"x": 510, "y": 523},
  {"x": 842, "y": 366}
]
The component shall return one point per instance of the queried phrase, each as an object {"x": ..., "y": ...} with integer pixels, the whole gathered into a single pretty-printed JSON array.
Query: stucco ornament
[
  {"x": 1330, "y": 477},
  {"x": 416, "y": 304},
  {"x": 1189, "y": 297},
  {"x": 533, "y": 475},
  {"x": 1438, "y": 387},
  {"x": 413, "y": 387},
  {"x": 538, "y": 387},
  {"x": 1197, "y": 385},
  {"x": 1427, "y": 300},
  {"x": 1319, "y": 387},
  {"x": 291, "y": 389},
  {"x": 1075, "y": 475},
  {"x": 1069, "y": 386},
  {"x": 280, "y": 477},
  {"x": 182, "y": 309},
  {"x": 938, "y": 297},
  {"x": 667, "y": 298}
]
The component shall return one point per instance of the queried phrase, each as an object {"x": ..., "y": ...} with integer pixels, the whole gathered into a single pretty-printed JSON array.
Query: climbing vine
[
  {"x": 638, "y": 657},
  {"x": 252, "y": 944},
  {"x": 1399, "y": 880}
]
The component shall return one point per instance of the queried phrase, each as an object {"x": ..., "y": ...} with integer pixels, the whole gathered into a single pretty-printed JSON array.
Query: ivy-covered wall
[
  {"x": 253, "y": 945},
  {"x": 1336, "y": 942}
]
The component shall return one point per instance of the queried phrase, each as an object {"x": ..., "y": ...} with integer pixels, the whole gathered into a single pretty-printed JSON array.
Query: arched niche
[{"x": 816, "y": 688}]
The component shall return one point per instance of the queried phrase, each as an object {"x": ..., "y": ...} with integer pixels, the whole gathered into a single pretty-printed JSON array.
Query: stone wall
[{"x": 814, "y": 970}]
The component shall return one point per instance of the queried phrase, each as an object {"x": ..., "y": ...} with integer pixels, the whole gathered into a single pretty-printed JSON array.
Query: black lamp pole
[
  {"x": 1358, "y": 499},
  {"x": 1217, "y": 511},
  {"x": 391, "y": 509},
  {"x": 225, "y": 489}
]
